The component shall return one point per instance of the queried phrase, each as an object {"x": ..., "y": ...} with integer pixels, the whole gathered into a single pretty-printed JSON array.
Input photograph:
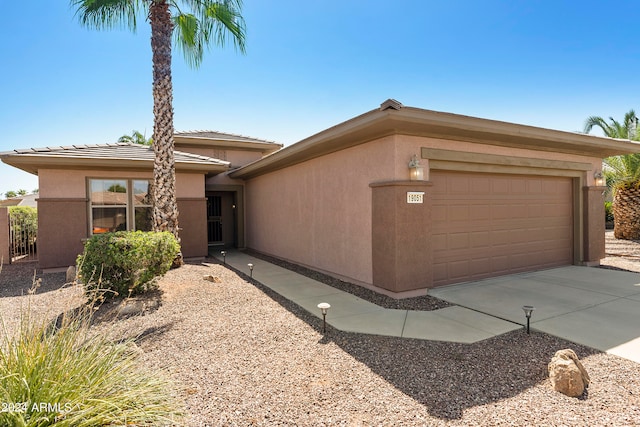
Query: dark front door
[{"x": 220, "y": 219}]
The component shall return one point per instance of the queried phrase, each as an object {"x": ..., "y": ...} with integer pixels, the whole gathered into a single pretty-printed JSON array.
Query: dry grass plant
[{"x": 62, "y": 373}]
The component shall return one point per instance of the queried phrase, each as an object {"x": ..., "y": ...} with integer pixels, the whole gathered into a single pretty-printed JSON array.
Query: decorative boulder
[
  {"x": 567, "y": 374},
  {"x": 71, "y": 274}
]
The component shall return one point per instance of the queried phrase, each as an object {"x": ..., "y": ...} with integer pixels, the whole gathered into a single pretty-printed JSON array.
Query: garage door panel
[{"x": 503, "y": 224}]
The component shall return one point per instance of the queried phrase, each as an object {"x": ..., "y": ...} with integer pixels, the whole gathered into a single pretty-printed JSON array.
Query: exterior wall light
[
  {"x": 416, "y": 170},
  {"x": 250, "y": 270},
  {"x": 528, "y": 310},
  {"x": 224, "y": 257},
  {"x": 324, "y": 307},
  {"x": 599, "y": 178}
]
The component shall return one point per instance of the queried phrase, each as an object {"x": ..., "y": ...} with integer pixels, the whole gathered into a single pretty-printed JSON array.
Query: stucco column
[
  {"x": 594, "y": 224},
  {"x": 401, "y": 235},
  {"x": 193, "y": 226},
  {"x": 4, "y": 236},
  {"x": 62, "y": 226}
]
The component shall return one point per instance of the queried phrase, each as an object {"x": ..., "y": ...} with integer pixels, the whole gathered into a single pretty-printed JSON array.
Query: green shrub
[
  {"x": 126, "y": 262},
  {"x": 24, "y": 215},
  {"x": 69, "y": 376},
  {"x": 608, "y": 211},
  {"x": 24, "y": 226}
]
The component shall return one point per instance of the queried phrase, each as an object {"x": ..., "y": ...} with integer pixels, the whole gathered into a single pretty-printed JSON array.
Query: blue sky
[{"x": 312, "y": 64}]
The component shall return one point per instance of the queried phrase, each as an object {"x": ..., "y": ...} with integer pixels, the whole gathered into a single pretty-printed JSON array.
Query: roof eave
[
  {"x": 197, "y": 141},
  {"x": 418, "y": 122},
  {"x": 32, "y": 163}
]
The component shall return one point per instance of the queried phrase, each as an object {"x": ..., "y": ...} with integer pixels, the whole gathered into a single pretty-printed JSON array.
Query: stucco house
[{"x": 484, "y": 197}]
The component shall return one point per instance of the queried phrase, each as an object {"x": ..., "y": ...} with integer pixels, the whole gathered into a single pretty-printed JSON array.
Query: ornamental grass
[{"x": 63, "y": 373}]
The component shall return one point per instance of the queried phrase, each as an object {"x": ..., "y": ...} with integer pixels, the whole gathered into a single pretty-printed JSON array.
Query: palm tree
[
  {"x": 194, "y": 24},
  {"x": 136, "y": 138},
  {"x": 624, "y": 130},
  {"x": 623, "y": 175}
]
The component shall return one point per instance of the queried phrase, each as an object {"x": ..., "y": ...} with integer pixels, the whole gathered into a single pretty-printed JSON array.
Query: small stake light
[
  {"x": 224, "y": 257},
  {"x": 324, "y": 307},
  {"x": 528, "y": 310},
  {"x": 250, "y": 270}
]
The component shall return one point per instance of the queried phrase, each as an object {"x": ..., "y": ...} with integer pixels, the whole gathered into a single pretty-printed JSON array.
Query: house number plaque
[{"x": 415, "y": 196}]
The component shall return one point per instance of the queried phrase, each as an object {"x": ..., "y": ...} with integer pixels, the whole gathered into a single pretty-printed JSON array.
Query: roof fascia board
[
  {"x": 418, "y": 122},
  {"x": 193, "y": 141},
  {"x": 31, "y": 164}
]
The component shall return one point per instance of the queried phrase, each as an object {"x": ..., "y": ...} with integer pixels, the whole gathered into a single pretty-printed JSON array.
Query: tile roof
[
  {"x": 113, "y": 151},
  {"x": 210, "y": 134}
]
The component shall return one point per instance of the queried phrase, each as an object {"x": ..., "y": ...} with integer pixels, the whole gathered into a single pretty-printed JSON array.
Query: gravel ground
[
  {"x": 422, "y": 303},
  {"x": 621, "y": 254},
  {"x": 241, "y": 355}
]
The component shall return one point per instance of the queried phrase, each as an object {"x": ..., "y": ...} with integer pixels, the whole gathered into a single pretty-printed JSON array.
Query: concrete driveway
[{"x": 591, "y": 306}]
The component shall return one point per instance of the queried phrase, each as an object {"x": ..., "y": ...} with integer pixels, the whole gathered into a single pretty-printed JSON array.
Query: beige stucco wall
[
  {"x": 63, "y": 211},
  {"x": 59, "y": 183},
  {"x": 56, "y": 183},
  {"x": 189, "y": 185},
  {"x": 319, "y": 213},
  {"x": 236, "y": 157}
]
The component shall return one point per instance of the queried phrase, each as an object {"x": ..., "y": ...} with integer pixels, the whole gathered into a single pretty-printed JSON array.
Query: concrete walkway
[
  {"x": 592, "y": 306},
  {"x": 352, "y": 314}
]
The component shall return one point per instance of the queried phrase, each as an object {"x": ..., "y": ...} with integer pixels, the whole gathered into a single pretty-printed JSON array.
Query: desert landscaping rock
[
  {"x": 567, "y": 374},
  {"x": 241, "y": 355}
]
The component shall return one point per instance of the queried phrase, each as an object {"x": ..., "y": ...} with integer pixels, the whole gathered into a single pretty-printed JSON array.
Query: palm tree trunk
[
  {"x": 165, "y": 208},
  {"x": 626, "y": 213}
]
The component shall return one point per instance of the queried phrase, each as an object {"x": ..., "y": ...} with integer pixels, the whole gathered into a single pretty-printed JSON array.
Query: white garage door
[{"x": 489, "y": 224}]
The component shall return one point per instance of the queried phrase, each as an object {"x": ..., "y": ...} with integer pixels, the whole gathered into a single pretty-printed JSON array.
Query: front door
[{"x": 220, "y": 219}]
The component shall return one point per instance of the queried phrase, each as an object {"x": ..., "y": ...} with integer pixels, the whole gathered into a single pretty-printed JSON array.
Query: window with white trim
[{"x": 119, "y": 204}]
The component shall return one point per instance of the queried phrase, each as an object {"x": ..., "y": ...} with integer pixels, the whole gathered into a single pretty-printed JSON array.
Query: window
[{"x": 119, "y": 204}]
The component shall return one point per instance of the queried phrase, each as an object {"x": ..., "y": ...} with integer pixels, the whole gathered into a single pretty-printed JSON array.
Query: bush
[
  {"x": 24, "y": 215},
  {"x": 25, "y": 226},
  {"x": 68, "y": 376},
  {"x": 126, "y": 262},
  {"x": 608, "y": 212}
]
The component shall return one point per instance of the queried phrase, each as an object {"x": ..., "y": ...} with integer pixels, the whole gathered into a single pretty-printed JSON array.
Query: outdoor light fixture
[
  {"x": 528, "y": 310},
  {"x": 324, "y": 306},
  {"x": 250, "y": 270},
  {"x": 224, "y": 257},
  {"x": 599, "y": 178},
  {"x": 416, "y": 170}
]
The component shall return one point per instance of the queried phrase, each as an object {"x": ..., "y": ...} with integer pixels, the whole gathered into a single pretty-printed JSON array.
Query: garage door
[{"x": 487, "y": 225}]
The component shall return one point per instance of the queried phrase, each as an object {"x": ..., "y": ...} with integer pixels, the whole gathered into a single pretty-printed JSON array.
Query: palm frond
[
  {"x": 614, "y": 129},
  {"x": 208, "y": 22},
  {"x": 593, "y": 121},
  {"x": 108, "y": 14}
]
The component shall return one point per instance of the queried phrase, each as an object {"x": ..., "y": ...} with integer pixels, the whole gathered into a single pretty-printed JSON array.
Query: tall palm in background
[
  {"x": 136, "y": 138},
  {"x": 622, "y": 174},
  {"x": 193, "y": 24}
]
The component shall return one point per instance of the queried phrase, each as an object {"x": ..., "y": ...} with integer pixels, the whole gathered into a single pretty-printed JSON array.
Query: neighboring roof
[
  {"x": 394, "y": 118},
  {"x": 119, "y": 155},
  {"x": 26, "y": 200},
  {"x": 224, "y": 140}
]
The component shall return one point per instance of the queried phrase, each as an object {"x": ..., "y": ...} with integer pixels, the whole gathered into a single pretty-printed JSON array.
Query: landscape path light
[
  {"x": 224, "y": 257},
  {"x": 324, "y": 307},
  {"x": 250, "y": 270},
  {"x": 528, "y": 310}
]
